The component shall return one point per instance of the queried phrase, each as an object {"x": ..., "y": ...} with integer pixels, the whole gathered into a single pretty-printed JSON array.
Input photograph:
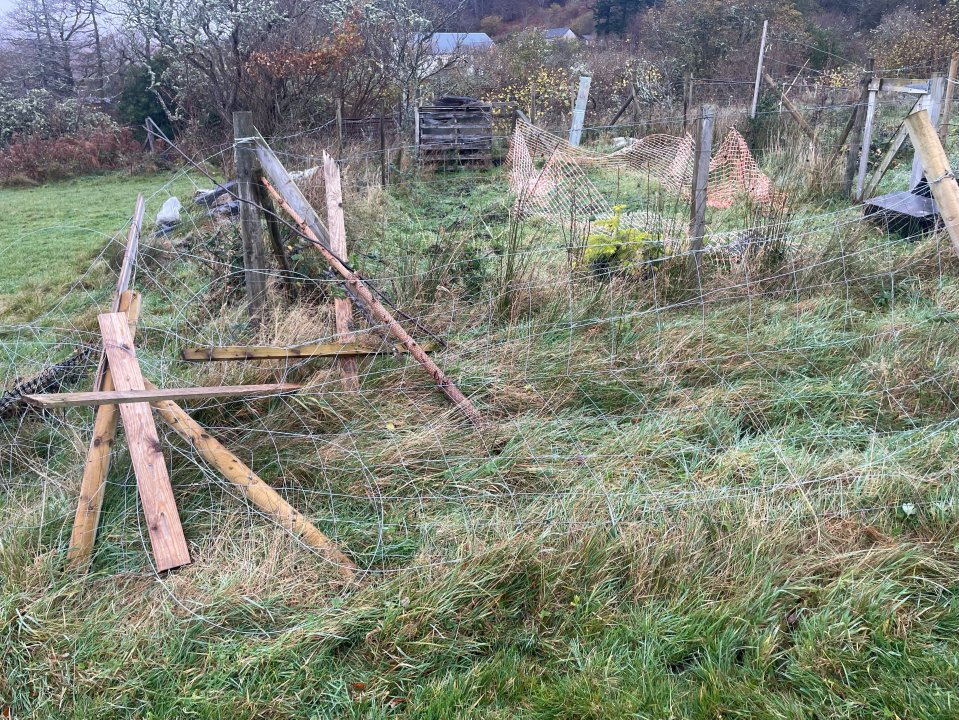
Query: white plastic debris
[{"x": 170, "y": 212}]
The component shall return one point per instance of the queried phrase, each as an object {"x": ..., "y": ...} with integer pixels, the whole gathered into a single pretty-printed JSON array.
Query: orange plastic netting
[{"x": 547, "y": 173}]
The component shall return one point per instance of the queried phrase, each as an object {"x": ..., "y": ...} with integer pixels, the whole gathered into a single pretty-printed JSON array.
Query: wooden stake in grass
[
  {"x": 342, "y": 310},
  {"x": 939, "y": 175},
  {"x": 287, "y": 196},
  {"x": 153, "y": 482},
  {"x": 249, "y": 483},
  {"x": 97, "y": 464}
]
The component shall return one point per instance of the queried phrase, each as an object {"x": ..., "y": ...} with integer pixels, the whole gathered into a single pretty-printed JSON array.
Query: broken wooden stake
[
  {"x": 153, "y": 483},
  {"x": 110, "y": 397},
  {"x": 342, "y": 309},
  {"x": 288, "y": 196}
]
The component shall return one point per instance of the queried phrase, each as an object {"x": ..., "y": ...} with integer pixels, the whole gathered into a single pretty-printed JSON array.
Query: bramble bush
[{"x": 37, "y": 159}]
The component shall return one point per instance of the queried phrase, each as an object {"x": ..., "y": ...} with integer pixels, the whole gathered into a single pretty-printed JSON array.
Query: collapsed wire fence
[{"x": 809, "y": 379}]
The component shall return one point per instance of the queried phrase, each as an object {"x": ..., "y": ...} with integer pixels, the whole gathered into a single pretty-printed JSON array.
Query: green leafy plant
[{"x": 613, "y": 247}]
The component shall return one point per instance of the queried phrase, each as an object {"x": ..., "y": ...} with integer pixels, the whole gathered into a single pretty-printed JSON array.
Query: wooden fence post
[
  {"x": 859, "y": 123},
  {"x": 697, "y": 205},
  {"x": 947, "y": 102},
  {"x": 579, "y": 110},
  {"x": 759, "y": 70},
  {"x": 384, "y": 158},
  {"x": 937, "y": 89},
  {"x": 866, "y": 139},
  {"x": 254, "y": 257},
  {"x": 935, "y": 165},
  {"x": 339, "y": 128}
]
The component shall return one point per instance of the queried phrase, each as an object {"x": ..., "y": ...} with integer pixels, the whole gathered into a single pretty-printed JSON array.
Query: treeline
[{"x": 78, "y": 68}]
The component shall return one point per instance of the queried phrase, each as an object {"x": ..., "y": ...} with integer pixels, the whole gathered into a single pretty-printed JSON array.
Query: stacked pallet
[{"x": 455, "y": 131}]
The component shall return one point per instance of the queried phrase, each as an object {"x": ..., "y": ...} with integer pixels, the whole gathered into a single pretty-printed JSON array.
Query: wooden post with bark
[
  {"x": 935, "y": 165},
  {"x": 254, "y": 260},
  {"x": 697, "y": 204}
]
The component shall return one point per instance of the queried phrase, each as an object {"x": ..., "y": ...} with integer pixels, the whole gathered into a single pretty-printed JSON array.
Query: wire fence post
[
  {"x": 384, "y": 158},
  {"x": 697, "y": 203},
  {"x": 858, "y": 125},
  {"x": 254, "y": 259},
  {"x": 759, "y": 71},
  {"x": 579, "y": 111}
]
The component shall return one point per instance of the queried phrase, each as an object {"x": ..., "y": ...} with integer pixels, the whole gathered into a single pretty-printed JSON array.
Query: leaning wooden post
[
  {"x": 254, "y": 259},
  {"x": 866, "y": 139},
  {"x": 579, "y": 110},
  {"x": 947, "y": 102},
  {"x": 791, "y": 107},
  {"x": 253, "y": 488},
  {"x": 859, "y": 123},
  {"x": 97, "y": 465},
  {"x": 937, "y": 89},
  {"x": 759, "y": 70},
  {"x": 289, "y": 197},
  {"x": 697, "y": 205},
  {"x": 935, "y": 164}
]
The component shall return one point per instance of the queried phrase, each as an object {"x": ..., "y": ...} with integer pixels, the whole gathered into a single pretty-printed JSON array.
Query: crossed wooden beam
[{"x": 121, "y": 393}]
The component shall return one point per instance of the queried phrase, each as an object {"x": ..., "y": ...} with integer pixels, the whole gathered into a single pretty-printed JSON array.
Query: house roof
[
  {"x": 553, "y": 33},
  {"x": 448, "y": 43}
]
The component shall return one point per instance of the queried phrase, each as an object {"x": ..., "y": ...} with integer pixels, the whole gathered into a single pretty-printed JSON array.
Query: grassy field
[{"x": 743, "y": 507}]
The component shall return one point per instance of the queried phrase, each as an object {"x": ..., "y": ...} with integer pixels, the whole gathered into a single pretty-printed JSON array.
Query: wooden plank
[
  {"x": 104, "y": 397},
  {"x": 342, "y": 310},
  {"x": 288, "y": 196},
  {"x": 156, "y": 495},
  {"x": 866, "y": 144},
  {"x": 97, "y": 464},
  {"x": 300, "y": 352},
  {"x": 250, "y": 484},
  {"x": 859, "y": 123},
  {"x": 935, "y": 165}
]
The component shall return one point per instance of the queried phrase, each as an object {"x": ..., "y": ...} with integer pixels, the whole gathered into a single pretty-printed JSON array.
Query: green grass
[
  {"x": 742, "y": 510},
  {"x": 51, "y": 233}
]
